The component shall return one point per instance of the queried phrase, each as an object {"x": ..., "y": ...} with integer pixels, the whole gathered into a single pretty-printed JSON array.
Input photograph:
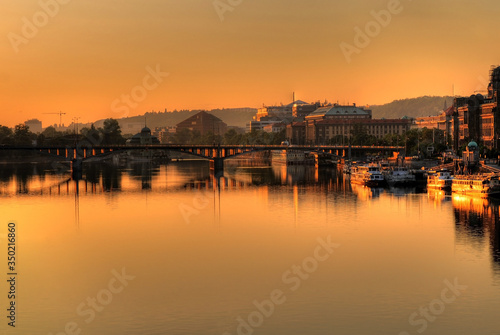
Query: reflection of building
[
  {"x": 476, "y": 219},
  {"x": 204, "y": 123},
  {"x": 144, "y": 137},
  {"x": 35, "y": 126},
  {"x": 478, "y": 117}
]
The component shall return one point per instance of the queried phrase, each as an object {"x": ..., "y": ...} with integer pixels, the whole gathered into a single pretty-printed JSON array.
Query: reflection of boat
[
  {"x": 398, "y": 176},
  {"x": 437, "y": 195},
  {"x": 440, "y": 180},
  {"x": 368, "y": 175},
  {"x": 470, "y": 204},
  {"x": 347, "y": 168},
  {"x": 476, "y": 185},
  {"x": 367, "y": 193},
  {"x": 401, "y": 191}
]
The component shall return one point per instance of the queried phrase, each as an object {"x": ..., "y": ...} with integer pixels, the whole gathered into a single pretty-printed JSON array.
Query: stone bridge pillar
[{"x": 217, "y": 165}]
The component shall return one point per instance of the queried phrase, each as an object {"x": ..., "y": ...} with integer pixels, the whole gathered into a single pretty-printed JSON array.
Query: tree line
[{"x": 110, "y": 133}]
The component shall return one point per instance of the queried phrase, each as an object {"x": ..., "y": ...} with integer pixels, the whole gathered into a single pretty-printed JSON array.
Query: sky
[{"x": 115, "y": 58}]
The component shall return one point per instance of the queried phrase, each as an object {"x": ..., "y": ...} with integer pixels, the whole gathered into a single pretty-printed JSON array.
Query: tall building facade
[
  {"x": 477, "y": 118},
  {"x": 338, "y": 122}
]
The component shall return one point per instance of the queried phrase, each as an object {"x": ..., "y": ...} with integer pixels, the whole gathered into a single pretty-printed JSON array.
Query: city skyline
[{"x": 98, "y": 60}]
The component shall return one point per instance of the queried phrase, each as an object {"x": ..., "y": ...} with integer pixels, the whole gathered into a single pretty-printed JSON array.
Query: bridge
[{"x": 216, "y": 154}]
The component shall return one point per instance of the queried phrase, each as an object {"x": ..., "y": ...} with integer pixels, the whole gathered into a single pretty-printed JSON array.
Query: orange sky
[{"x": 83, "y": 57}]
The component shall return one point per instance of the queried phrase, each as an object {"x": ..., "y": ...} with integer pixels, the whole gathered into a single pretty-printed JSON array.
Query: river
[{"x": 169, "y": 249}]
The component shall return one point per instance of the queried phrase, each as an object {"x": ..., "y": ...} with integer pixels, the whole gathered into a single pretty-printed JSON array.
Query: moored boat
[
  {"x": 368, "y": 175},
  {"x": 440, "y": 180},
  {"x": 481, "y": 185},
  {"x": 398, "y": 176},
  {"x": 291, "y": 157}
]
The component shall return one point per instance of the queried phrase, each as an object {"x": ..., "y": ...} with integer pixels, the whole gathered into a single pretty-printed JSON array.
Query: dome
[
  {"x": 146, "y": 130},
  {"x": 472, "y": 145}
]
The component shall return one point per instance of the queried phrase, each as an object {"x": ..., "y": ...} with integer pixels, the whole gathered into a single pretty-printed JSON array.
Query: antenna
[{"x": 60, "y": 117}]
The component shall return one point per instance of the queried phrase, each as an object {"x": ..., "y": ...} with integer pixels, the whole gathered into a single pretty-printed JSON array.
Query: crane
[{"x": 60, "y": 117}]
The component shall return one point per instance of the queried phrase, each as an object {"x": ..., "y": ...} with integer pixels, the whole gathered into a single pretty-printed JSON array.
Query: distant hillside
[
  {"x": 417, "y": 107},
  {"x": 231, "y": 116}
]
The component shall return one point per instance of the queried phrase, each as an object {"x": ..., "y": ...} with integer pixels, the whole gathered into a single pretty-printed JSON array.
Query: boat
[
  {"x": 481, "y": 185},
  {"x": 291, "y": 157},
  {"x": 398, "y": 176},
  {"x": 368, "y": 175},
  {"x": 440, "y": 180}
]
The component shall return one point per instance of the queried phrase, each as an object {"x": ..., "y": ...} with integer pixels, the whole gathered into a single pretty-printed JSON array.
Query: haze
[{"x": 88, "y": 54}]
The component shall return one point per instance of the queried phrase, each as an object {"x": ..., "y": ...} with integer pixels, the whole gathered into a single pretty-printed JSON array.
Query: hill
[
  {"x": 238, "y": 117},
  {"x": 416, "y": 107}
]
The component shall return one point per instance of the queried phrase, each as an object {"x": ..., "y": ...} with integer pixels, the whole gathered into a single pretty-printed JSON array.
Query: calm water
[{"x": 162, "y": 250}]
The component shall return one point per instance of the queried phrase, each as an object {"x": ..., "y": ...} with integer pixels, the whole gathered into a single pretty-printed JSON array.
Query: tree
[
  {"x": 51, "y": 132},
  {"x": 94, "y": 136},
  {"x": 22, "y": 135},
  {"x": 5, "y": 135},
  {"x": 359, "y": 135},
  {"x": 232, "y": 137},
  {"x": 111, "y": 132},
  {"x": 182, "y": 136}
]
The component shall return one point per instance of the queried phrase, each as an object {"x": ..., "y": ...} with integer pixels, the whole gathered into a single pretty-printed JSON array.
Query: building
[
  {"x": 204, "y": 123},
  {"x": 296, "y": 132},
  {"x": 302, "y": 110},
  {"x": 269, "y": 115},
  {"x": 260, "y": 125},
  {"x": 337, "y": 111},
  {"x": 443, "y": 121},
  {"x": 282, "y": 111},
  {"x": 143, "y": 138},
  {"x": 130, "y": 127},
  {"x": 164, "y": 134},
  {"x": 35, "y": 125},
  {"x": 326, "y": 131},
  {"x": 478, "y": 117},
  {"x": 274, "y": 128}
]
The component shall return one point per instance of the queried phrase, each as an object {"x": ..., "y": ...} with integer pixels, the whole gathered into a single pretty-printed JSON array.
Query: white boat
[
  {"x": 368, "y": 175},
  {"x": 440, "y": 180},
  {"x": 481, "y": 185},
  {"x": 398, "y": 176}
]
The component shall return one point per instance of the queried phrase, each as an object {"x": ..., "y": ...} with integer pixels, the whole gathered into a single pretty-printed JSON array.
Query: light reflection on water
[{"x": 203, "y": 250}]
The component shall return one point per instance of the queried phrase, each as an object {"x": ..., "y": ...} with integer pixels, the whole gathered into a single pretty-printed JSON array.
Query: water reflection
[
  {"x": 365, "y": 192},
  {"x": 476, "y": 222},
  {"x": 193, "y": 239}
]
